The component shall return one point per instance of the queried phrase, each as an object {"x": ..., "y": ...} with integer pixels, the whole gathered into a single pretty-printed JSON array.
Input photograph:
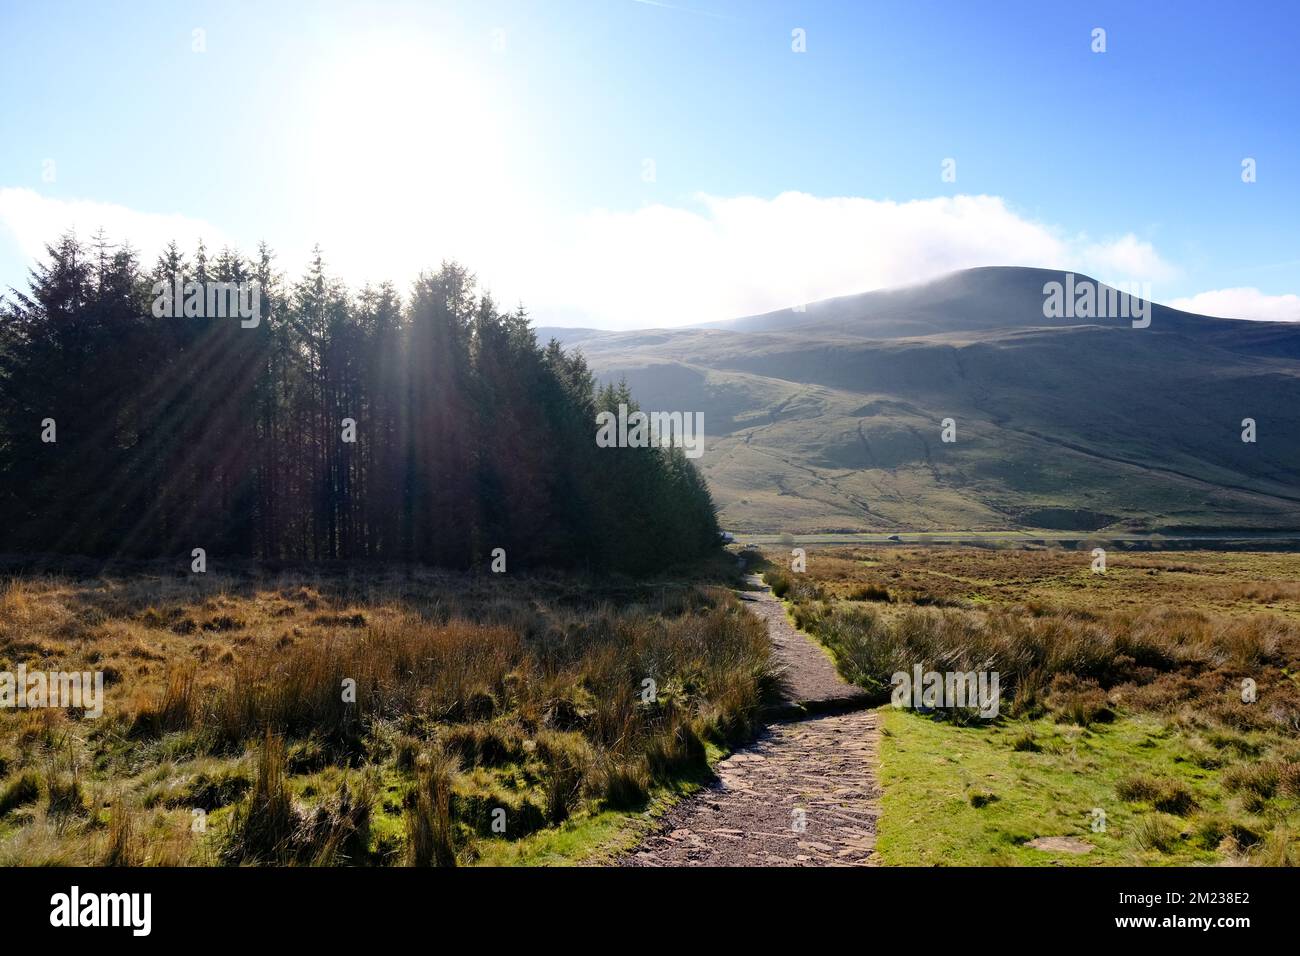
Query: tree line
[{"x": 123, "y": 433}]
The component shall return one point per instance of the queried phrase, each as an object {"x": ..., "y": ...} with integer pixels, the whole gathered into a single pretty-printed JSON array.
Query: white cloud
[
  {"x": 1246, "y": 303},
  {"x": 663, "y": 266},
  {"x": 35, "y": 220},
  {"x": 660, "y": 265},
  {"x": 1126, "y": 256}
]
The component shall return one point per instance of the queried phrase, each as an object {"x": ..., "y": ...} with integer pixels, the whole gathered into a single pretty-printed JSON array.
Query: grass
[
  {"x": 1122, "y": 701},
  {"x": 938, "y": 779},
  {"x": 595, "y": 838},
  {"x": 393, "y": 717}
]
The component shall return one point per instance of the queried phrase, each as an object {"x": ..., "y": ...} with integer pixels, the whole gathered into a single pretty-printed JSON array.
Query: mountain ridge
[{"x": 832, "y": 421}]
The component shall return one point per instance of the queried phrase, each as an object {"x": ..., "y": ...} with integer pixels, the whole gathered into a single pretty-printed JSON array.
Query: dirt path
[
  {"x": 804, "y": 794},
  {"x": 811, "y": 678}
]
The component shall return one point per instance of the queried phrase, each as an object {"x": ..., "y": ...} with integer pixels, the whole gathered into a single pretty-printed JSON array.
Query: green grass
[
  {"x": 930, "y": 770},
  {"x": 590, "y": 838},
  {"x": 1120, "y": 693}
]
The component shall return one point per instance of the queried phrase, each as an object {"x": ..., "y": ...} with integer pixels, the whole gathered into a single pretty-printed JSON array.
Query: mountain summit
[{"x": 832, "y": 418}]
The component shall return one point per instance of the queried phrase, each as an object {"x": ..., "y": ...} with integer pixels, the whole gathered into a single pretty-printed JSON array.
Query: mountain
[{"x": 830, "y": 418}]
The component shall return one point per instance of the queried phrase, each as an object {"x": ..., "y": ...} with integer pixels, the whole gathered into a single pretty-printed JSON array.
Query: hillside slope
[{"x": 830, "y": 419}]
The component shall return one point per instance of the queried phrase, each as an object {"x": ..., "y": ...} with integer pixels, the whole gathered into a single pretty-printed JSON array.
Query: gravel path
[
  {"x": 804, "y": 794},
  {"x": 811, "y": 679}
]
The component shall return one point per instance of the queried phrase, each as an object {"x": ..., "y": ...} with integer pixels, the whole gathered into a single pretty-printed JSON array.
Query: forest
[{"x": 344, "y": 424}]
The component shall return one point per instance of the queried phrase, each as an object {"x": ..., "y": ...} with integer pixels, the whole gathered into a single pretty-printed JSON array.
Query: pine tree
[{"x": 179, "y": 431}]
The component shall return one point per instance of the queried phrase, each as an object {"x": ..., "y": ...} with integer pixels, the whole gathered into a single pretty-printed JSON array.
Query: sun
[{"x": 407, "y": 148}]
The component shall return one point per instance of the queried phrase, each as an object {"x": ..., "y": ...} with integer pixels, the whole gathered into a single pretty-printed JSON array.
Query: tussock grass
[
  {"x": 1167, "y": 796},
  {"x": 362, "y": 718},
  {"x": 1069, "y": 665},
  {"x": 23, "y": 789},
  {"x": 430, "y": 835},
  {"x": 125, "y": 847},
  {"x": 622, "y": 786},
  {"x": 1086, "y": 663},
  {"x": 1155, "y": 832}
]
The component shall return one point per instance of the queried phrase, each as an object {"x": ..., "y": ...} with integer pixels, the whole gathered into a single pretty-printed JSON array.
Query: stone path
[
  {"x": 804, "y": 794},
  {"x": 812, "y": 682}
]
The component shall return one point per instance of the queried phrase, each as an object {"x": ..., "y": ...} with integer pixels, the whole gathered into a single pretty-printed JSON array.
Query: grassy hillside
[{"x": 830, "y": 419}]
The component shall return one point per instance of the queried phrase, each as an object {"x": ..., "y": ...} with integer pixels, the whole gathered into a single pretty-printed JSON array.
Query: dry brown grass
[
  {"x": 1164, "y": 640},
  {"x": 274, "y": 704},
  {"x": 1059, "y": 578},
  {"x": 1157, "y": 632}
]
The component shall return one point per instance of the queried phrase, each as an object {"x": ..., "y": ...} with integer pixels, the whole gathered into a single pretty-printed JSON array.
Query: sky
[{"x": 631, "y": 164}]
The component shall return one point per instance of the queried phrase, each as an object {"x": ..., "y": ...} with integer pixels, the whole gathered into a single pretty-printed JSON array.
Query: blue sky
[{"x": 622, "y": 163}]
